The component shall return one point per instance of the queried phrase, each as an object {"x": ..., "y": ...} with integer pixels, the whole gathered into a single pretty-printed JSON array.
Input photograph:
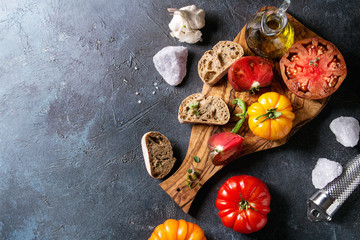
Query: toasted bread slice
[
  {"x": 215, "y": 63},
  {"x": 210, "y": 110},
  {"x": 158, "y": 154}
]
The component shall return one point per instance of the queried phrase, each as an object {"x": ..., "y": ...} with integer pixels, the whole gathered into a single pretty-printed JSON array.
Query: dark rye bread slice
[
  {"x": 158, "y": 154},
  {"x": 210, "y": 110},
  {"x": 215, "y": 63}
]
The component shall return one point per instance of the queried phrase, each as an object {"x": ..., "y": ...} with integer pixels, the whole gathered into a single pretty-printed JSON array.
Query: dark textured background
[{"x": 71, "y": 165}]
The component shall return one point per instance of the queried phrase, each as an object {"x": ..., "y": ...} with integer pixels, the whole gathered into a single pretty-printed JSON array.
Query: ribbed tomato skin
[
  {"x": 173, "y": 229},
  {"x": 271, "y": 129},
  {"x": 248, "y": 188}
]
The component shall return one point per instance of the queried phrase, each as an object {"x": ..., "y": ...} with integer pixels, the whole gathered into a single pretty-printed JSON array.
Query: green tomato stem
[
  {"x": 270, "y": 114},
  {"x": 244, "y": 204}
]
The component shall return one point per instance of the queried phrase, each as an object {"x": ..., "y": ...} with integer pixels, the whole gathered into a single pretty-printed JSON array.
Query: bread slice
[
  {"x": 158, "y": 154},
  {"x": 210, "y": 110},
  {"x": 215, "y": 63}
]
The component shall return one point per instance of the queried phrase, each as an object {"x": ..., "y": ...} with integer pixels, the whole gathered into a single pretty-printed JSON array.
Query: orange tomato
[
  {"x": 177, "y": 230},
  {"x": 271, "y": 117}
]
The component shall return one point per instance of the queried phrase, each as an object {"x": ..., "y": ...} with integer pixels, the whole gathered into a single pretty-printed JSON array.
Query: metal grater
[{"x": 323, "y": 204}]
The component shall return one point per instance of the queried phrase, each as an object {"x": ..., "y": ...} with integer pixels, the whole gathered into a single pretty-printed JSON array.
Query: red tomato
[
  {"x": 244, "y": 202},
  {"x": 250, "y": 73},
  {"x": 225, "y": 147},
  {"x": 313, "y": 68}
]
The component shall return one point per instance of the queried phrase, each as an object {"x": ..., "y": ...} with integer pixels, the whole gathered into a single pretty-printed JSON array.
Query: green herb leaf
[
  {"x": 188, "y": 184},
  {"x": 196, "y": 159},
  {"x": 192, "y": 178},
  {"x": 194, "y": 107}
]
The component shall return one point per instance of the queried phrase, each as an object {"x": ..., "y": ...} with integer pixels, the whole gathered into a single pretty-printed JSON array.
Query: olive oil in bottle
[{"x": 269, "y": 33}]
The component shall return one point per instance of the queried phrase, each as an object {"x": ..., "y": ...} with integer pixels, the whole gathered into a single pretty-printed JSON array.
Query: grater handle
[{"x": 323, "y": 204}]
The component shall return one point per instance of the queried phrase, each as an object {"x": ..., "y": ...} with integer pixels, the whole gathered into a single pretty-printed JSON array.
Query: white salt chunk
[
  {"x": 170, "y": 62},
  {"x": 346, "y": 130},
  {"x": 324, "y": 172}
]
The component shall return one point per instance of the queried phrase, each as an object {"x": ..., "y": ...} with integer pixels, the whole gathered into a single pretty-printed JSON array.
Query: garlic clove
[
  {"x": 195, "y": 16},
  {"x": 190, "y": 37},
  {"x": 186, "y": 22}
]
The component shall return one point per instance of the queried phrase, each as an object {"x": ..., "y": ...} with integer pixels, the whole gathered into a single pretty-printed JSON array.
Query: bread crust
[
  {"x": 215, "y": 63},
  {"x": 158, "y": 154},
  {"x": 211, "y": 110}
]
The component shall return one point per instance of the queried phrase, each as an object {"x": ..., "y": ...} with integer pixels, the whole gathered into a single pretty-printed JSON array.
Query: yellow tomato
[
  {"x": 271, "y": 117},
  {"x": 177, "y": 230}
]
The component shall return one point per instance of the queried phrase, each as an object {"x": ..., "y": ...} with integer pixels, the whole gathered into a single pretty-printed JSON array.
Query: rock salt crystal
[
  {"x": 170, "y": 62},
  {"x": 346, "y": 130},
  {"x": 324, "y": 172}
]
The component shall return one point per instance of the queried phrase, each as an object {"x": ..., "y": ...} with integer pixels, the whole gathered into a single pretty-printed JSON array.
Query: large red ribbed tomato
[
  {"x": 313, "y": 68},
  {"x": 244, "y": 202}
]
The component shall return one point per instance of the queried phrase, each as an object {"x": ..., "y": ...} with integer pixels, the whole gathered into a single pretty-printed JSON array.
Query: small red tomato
[
  {"x": 250, "y": 73},
  {"x": 244, "y": 202},
  {"x": 225, "y": 147}
]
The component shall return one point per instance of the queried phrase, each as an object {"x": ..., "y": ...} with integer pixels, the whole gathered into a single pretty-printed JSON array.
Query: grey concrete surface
[{"x": 71, "y": 166}]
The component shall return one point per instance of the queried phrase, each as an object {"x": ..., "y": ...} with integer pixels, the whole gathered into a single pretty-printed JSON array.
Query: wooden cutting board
[{"x": 304, "y": 109}]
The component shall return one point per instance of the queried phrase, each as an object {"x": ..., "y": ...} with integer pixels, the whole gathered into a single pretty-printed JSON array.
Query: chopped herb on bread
[
  {"x": 215, "y": 63},
  {"x": 158, "y": 154},
  {"x": 210, "y": 110}
]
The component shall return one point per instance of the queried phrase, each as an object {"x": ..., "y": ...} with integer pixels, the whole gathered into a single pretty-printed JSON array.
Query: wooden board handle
[{"x": 176, "y": 185}]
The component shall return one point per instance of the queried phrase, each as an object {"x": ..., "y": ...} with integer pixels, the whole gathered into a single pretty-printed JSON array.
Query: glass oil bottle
[{"x": 269, "y": 33}]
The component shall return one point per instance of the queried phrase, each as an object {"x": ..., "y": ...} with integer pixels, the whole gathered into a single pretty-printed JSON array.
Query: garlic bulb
[{"x": 186, "y": 23}]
